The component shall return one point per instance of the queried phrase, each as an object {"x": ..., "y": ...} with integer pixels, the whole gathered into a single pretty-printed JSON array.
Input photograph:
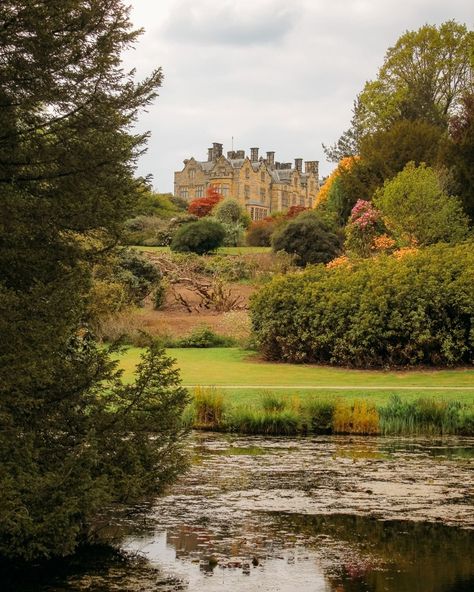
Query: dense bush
[
  {"x": 260, "y": 233},
  {"x": 229, "y": 211},
  {"x": 309, "y": 238},
  {"x": 137, "y": 274},
  {"x": 416, "y": 208},
  {"x": 203, "y": 337},
  {"x": 146, "y": 230},
  {"x": 379, "y": 312},
  {"x": 198, "y": 237}
]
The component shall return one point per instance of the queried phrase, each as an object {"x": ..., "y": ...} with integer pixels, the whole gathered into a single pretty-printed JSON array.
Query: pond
[{"x": 329, "y": 513}]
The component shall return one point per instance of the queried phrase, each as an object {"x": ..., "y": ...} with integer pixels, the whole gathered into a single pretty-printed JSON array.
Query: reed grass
[
  {"x": 248, "y": 420},
  {"x": 426, "y": 416},
  {"x": 277, "y": 414},
  {"x": 208, "y": 406}
]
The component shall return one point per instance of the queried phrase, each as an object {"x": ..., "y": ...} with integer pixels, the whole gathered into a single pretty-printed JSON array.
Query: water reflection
[{"x": 327, "y": 514}]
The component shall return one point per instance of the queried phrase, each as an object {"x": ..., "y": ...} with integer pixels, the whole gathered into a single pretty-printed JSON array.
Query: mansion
[{"x": 260, "y": 184}]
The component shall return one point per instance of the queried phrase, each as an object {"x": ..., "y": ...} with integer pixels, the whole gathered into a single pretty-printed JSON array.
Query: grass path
[{"x": 243, "y": 376}]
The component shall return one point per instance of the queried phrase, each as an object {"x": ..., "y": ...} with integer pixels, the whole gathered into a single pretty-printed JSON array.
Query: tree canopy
[
  {"x": 417, "y": 210},
  {"x": 72, "y": 437},
  {"x": 424, "y": 77}
]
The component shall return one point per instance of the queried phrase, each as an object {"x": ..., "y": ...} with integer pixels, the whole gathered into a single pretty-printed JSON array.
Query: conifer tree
[{"x": 73, "y": 438}]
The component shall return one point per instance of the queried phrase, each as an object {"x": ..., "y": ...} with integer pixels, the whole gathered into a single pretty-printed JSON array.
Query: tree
[
  {"x": 309, "y": 238},
  {"x": 458, "y": 153},
  {"x": 416, "y": 209},
  {"x": 198, "y": 237},
  {"x": 73, "y": 439},
  {"x": 229, "y": 211},
  {"x": 423, "y": 77},
  {"x": 387, "y": 152},
  {"x": 235, "y": 220},
  {"x": 203, "y": 206}
]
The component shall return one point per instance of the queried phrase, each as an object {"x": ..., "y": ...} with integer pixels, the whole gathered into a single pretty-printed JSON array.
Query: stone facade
[{"x": 260, "y": 184}]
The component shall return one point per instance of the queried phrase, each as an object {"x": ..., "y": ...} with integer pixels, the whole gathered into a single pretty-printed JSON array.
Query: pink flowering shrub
[{"x": 364, "y": 225}]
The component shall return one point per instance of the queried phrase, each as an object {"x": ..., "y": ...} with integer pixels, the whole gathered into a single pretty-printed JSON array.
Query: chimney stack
[
  {"x": 271, "y": 159},
  {"x": 209, "y": 154},
  {"x": 254, "y": 154},
  {"x": 240, "y": 154},
  {"x": 299, "y": 164},
  {"x": 311, "y": 166},
  {"x": 216, "y": 150},
  {"x": 231, "y": 154}
]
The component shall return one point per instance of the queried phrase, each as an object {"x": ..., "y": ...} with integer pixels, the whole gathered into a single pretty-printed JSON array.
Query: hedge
[{"x": 384, "y": 311}]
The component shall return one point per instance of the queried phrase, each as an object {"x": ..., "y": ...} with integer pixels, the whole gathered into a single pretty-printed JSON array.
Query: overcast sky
[{"x": 278, "y": 74}]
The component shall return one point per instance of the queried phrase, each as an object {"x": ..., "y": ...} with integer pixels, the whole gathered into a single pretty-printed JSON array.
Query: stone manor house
[{"x": 260, "y": 184}]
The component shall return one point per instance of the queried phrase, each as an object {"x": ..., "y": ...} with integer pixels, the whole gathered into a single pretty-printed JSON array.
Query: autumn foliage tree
[{"x": 203, "y": 206}]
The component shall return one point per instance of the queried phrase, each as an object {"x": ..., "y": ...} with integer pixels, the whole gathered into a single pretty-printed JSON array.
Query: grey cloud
[
  {"x": 229, "y": 23},
  {"x": 282, "y": 79}
]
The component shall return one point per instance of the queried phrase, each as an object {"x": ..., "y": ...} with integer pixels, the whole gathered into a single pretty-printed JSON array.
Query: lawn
[
  {"x": 243, "y": 377},
  {"x": 220, "y": 251}
]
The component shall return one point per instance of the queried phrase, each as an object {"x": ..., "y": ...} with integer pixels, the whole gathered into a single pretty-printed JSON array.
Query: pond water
[{"x": 333, "y": 514}]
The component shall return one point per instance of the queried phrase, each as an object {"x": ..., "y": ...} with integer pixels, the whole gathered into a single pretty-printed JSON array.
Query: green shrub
[
  {"x": 260, "y": 233},
  {"x": 319, "y": 416},
  {"x": 204, "y": 337},
  {"x": 159, "y": 295},
  {"x": 416, "y": 208},
  {"x": 309, "y": 238},
  {"x": 230, "y": 268},
  {"x": 378, "y": 312},
  {"x": 147, "y": 230},
  {"x": 135, "y": 272},
  {"x": 229, "y": 211},
  {"x": 202, "y": 236}
]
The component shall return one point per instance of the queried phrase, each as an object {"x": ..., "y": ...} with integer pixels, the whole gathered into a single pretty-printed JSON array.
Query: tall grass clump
[
  {"x": 425, "y": 416},
  {"x": 360, "y": 417},
  {"x": 208, "y": 406},
  {"x": 319, "y": 416},
  {"x": 250, "y": 420}
]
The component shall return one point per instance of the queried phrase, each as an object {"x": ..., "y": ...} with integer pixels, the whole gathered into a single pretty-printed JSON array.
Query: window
[
  {"x": 257, "y": 213},
  {"x": 247, "y": 173},
  {"x": 247, "y": 191},
  {"x": 192, "y": 174},
  {"x": 284, "y": 199},
  {"x": 302, "y": 201},
  {"x": 296, "y": 181},
  {"x": 183, "y": 192},
  {"x": 199, "y": 191},
  {"x": 262, "y": 176},
  {"x": 225, "y": 191},
  {"x": 262, "y": 194}
]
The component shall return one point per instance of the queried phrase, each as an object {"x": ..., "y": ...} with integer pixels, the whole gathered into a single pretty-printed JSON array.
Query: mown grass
[
  {"x": 242, "y": 377},
  {"x": 220, "y": 250},
  {"x": 233, "y": 391}
]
